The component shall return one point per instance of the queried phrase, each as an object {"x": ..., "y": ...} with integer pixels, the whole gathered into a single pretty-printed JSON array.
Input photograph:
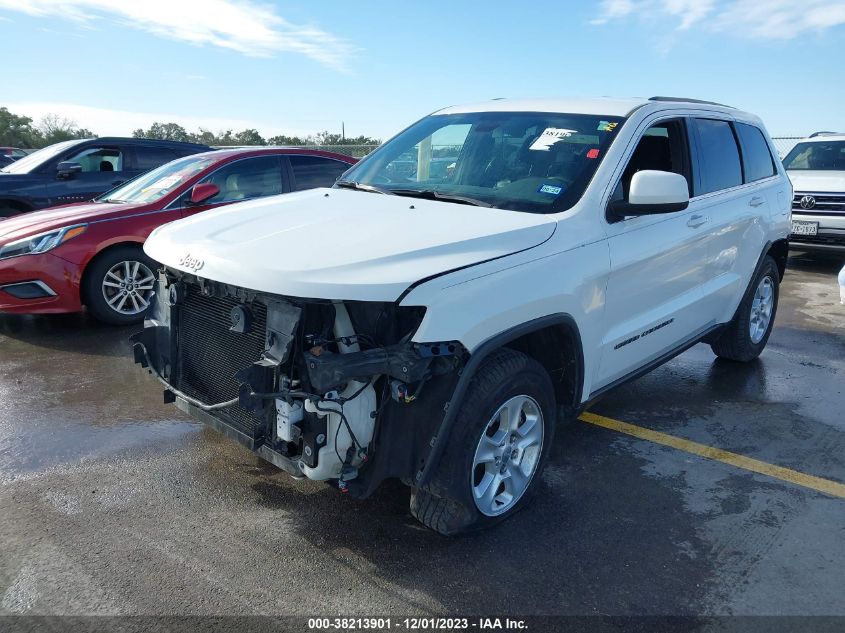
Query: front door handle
[
  {"x": 756, "y": 201},
  {"x": 118, "y": 182},
  {"x": 697, "y": 220}
]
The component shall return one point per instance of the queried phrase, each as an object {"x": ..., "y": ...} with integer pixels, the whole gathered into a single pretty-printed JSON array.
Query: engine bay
[{"x": 329, "y": 390}]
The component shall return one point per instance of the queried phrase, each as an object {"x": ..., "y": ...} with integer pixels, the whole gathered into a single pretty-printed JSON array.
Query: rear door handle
[
  {"x": 756, "y": 201},
  {"x": 697, "y": 220}
]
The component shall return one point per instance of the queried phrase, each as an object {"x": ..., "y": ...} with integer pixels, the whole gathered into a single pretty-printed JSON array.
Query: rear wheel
[
  {"x": 746, "y": 335},
  {"x": 494, "y": 458},
  {"x": 119, "y": 285}
]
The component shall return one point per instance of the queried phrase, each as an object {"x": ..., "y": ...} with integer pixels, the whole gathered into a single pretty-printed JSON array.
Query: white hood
[
  {"x": 813, "y": 181},
  {"x": 341, "y": 244}
]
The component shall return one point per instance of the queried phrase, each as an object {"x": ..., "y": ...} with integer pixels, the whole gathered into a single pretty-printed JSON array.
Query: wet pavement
[{"x": 114, "y": 503}]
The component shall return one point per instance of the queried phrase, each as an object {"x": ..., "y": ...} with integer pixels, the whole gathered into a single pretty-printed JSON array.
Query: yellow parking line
[{"x": 826, "y": 486}]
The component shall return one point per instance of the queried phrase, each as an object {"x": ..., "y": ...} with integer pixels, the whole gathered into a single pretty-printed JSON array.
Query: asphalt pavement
[{"x": 112, "y": 502}]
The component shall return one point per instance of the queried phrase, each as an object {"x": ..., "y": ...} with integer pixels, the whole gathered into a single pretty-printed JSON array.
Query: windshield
[
  {"x": 821, "y": 155},
  {"x": 31, "y": 161},
  {"x": 524, "y": 161},
  {"x": 159, "y": 182}
]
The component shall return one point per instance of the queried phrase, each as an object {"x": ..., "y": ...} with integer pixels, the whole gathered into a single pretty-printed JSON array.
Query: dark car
[
  {"x": 58, "y": 260},
  {"x": 80, "y": 170},
  {"x": 9, "y": 155},
  {"x": 12, "y": 152}
]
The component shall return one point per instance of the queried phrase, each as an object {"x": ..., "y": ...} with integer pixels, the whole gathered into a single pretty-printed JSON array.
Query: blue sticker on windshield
[{"x": 552, "y": 190}]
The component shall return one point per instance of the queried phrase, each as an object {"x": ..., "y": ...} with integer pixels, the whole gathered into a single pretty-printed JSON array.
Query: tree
[
  {"x": 206, "y": 137},
  {"x": 226, "y": 138},
  {"x": 164, "y": 132},
  {"x": 330, "y": 138},
  {"x": 55, "y": 129},
  {"x": 17, "y": 131},
  {"x": 281, "y": 139},
  {"x": 249, "y": 137}
]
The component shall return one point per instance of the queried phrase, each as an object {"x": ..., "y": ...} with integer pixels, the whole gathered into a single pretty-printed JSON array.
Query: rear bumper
[{"x": 22, "y": 277}]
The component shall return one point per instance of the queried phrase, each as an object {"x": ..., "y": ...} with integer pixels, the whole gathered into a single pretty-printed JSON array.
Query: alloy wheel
[
  {"x": 507, "y": 455},
  {"x": 761, "y": 309},
  {"x": 128, "y": 287}
]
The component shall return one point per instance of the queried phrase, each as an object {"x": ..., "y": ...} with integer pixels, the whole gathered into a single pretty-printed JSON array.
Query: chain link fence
[
  {"x": 357, "y": 151},
  {"x": 783, "y": 144}
]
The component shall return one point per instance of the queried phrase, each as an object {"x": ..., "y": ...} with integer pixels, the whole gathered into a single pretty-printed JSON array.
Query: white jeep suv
[
  {"x": 816, "y": 167},
  {"x": 487, "y": 272}
]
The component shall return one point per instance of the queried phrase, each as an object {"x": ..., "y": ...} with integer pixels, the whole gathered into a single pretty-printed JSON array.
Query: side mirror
[
  {"x": 652, "y": 192},
  {"x": 203, "y": 191},
  {"x": 68, "y": 169}
]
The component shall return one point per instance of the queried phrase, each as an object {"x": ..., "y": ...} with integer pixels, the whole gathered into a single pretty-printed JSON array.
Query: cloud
[
  {"x": 243, "y": 26},
  {"x": 613, "y": 9},
  {"x": 107, "y": 122},
  {"x": 763, "y": 19}
]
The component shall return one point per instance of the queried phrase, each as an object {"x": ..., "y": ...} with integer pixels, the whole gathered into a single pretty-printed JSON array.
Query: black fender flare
[
  {"x": 438, "y": 442},
  {"x": 749, "y": 288}
]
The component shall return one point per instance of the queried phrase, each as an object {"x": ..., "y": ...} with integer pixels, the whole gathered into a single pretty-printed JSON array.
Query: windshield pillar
[{"x": 424, "y": 159}]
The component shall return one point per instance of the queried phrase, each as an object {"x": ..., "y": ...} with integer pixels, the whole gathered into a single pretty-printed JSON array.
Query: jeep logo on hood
[{"x": 191, "y": 263}]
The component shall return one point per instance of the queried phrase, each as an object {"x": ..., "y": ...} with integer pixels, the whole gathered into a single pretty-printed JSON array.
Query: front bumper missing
[
  {"x": 172, "y": 348},
  {"x": 290, "y": 466},
  {"x": 154, "y": 337}
]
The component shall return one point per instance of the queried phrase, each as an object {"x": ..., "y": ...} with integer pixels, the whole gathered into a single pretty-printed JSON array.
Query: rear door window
[
  {"x": 756, "y": 157},
  {"x": 315, "y": 171},
  {"x": 247, "y": 178},
  {"x": 718, "y": 156},
  {"x": 147, "y": 158}
]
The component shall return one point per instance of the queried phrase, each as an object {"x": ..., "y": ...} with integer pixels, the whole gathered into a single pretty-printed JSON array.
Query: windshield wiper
[
  {"x": 349, "y": 184},
  {"x": 445, "y": 197},
  {"x": 111, "y": 200}
]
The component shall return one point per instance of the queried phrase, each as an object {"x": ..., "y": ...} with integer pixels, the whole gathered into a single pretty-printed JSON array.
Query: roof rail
[
  {"x": 823, "y": 133},
  {"x": 686, "y": 100}
]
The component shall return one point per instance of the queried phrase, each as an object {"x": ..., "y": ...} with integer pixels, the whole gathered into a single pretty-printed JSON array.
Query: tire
[
  {"x": 107, "y": 301},
  {"x": 448, "y": 503},
  {"x": 746, "y": 335}
]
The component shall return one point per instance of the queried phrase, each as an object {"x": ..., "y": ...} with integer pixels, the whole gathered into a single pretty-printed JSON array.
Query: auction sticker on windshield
[{"x": 549, "y": 137}]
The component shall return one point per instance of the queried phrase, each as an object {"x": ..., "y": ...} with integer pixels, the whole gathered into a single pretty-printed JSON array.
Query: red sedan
[{"x": 90, "y": 254}]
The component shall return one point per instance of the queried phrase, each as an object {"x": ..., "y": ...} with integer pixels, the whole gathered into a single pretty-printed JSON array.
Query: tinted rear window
[
  {"x": 313, "y": 171},
  {"x": 718, "y": 156},
  {"x": 756, "y": 156},
  {"x": 152, "y": 157}
]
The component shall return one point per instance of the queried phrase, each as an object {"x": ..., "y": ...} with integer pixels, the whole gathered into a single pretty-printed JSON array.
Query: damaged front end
[{"x": 329, "y": 390}]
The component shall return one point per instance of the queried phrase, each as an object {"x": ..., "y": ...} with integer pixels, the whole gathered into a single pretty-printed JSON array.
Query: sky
[{"x": 299, "y": 67}]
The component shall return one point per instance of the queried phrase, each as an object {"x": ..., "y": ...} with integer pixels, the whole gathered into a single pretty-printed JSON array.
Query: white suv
[
  {"x": 816, "y": 167},
  {"x": 484, "y": 274}
]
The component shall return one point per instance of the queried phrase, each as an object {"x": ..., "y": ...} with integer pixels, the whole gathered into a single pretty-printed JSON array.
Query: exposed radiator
[{"x": 209, "y": 354}]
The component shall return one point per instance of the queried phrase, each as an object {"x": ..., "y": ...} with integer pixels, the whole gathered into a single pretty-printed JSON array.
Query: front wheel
[
  {"x": 119, "y": 285},
  {"x": 496, "y": 452},
  {"x": 746, "y": 335}
]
